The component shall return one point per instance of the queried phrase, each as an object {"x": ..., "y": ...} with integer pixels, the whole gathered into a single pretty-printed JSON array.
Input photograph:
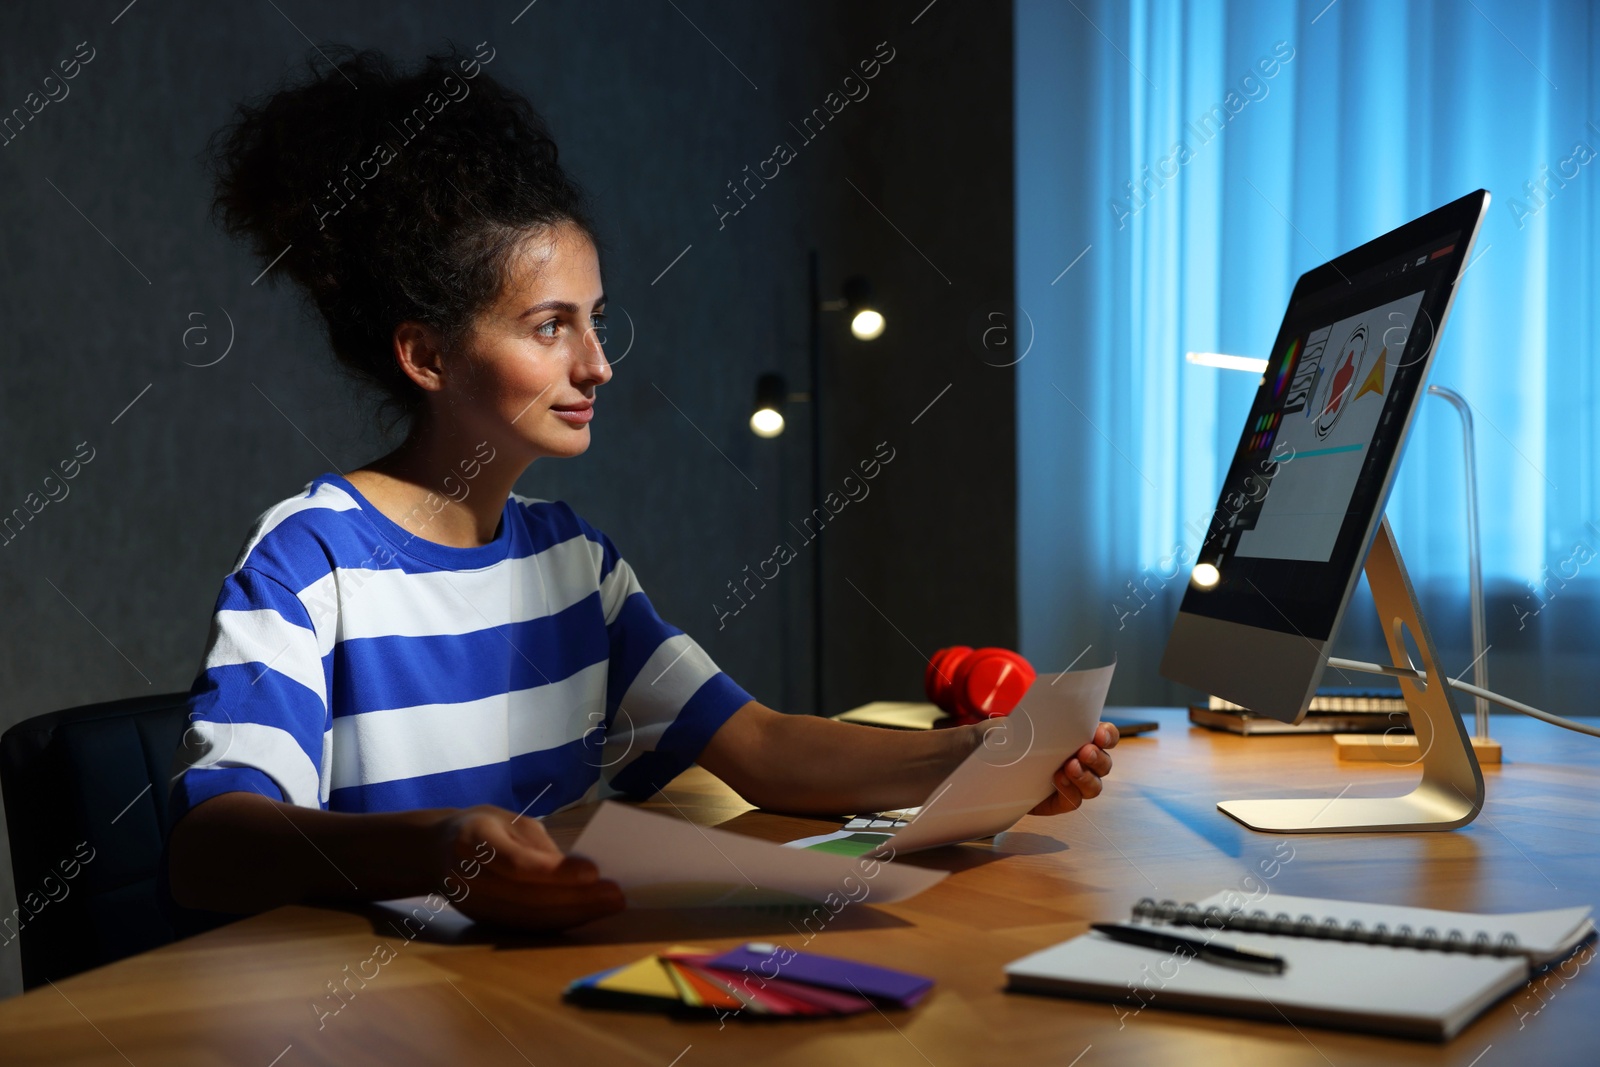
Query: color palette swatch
[
  {"x": 758, "y": 980},
  {"x": 1287, "y": 368},
  {"x": 1263, "y": 430}
]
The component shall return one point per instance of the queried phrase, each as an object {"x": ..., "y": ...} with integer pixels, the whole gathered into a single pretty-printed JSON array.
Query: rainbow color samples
[
  {"x": 1287, "y": 368},
  {"x": 756, "y": 980}
]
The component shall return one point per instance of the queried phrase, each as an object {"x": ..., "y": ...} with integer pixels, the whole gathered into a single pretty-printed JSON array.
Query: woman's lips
[{"x": 575, "y": 415}]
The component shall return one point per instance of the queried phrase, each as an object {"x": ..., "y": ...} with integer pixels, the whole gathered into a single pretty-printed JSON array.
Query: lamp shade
[
  {"x": 766, "y": 418},
  {"x": 866, "y": 320}
]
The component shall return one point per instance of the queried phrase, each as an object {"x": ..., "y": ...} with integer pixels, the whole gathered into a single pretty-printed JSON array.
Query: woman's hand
[
  {"x": 1078, "y": 779},
  {"x": 505, "y": 869}
]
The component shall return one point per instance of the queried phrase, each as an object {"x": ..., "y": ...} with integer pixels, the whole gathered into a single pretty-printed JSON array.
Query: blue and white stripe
[{"x": 355, "y": 667}]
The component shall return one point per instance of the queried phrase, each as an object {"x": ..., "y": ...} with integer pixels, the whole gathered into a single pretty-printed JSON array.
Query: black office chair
[{"x": 89, "y": 778}]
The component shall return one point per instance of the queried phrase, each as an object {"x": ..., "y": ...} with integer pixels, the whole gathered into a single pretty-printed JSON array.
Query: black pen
[{"x": 1247, "y": 959}]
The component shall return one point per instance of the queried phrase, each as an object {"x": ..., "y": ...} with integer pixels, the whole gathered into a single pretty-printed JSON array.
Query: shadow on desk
[
  {"x": 952, "y": 858},
  {"x": 413, "y": 920},
  {"x": 410, "y": 920}
]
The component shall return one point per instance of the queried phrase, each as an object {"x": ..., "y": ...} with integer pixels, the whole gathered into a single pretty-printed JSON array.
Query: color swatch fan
[{"x": 758, "y": 980}]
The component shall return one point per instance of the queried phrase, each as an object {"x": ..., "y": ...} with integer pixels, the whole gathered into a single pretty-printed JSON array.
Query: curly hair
[{"x": 391, "y": 197}]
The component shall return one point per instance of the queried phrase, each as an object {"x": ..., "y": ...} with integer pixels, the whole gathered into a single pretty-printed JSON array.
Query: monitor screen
[
  {"x": 1316, "y": 457},
  {"x": 1328, "y": 399}
]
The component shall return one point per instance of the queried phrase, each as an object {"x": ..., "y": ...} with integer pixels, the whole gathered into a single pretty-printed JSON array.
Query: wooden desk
[{"x": 245, "y": 994}]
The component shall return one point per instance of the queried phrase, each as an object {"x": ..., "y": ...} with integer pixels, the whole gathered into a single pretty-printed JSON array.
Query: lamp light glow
[
  {"x": 1223, "y": 361},
  {"x": 1205, "y": 576},
  {"x": 766, "y": 422},
  {"x": 867, "y": 325},
  {"x": 866, "y": 321}
]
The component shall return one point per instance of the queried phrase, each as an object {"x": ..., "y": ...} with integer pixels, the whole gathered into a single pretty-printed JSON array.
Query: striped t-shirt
[{"x": 354, "y": 665}]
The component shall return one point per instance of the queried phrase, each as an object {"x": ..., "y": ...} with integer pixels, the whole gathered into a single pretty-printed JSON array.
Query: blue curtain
[{"x": 1178, "y": 166}]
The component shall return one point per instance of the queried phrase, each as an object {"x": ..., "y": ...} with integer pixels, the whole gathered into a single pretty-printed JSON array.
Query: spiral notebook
[{"x": 1412, "y": 972}]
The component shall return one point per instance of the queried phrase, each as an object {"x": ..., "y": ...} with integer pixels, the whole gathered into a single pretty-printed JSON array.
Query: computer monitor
[{"x": 1304, "y": 495}]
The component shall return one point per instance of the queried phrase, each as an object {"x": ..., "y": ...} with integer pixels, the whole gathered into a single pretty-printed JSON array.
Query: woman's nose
[{"x": 593, "y": 364}]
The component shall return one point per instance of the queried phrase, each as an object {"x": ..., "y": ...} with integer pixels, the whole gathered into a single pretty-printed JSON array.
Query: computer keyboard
[{"x": 882, "y": 820}]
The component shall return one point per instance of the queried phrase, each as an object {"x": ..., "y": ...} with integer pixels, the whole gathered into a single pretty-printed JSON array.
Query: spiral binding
[{"x": 1328, "y": 929}]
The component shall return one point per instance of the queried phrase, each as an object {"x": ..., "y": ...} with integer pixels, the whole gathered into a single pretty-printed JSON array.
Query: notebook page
[
  {"x": 1327, "y": 983},
  {"x": 1541, "y": 935}
]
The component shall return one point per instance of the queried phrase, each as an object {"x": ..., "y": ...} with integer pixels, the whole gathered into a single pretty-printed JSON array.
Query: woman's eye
[
  {"x": 598, "y": 319},
  {"x": 548, "y": 329}
]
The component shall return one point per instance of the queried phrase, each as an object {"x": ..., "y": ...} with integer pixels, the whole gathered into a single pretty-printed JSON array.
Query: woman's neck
[{"x": 467, "y": 480}]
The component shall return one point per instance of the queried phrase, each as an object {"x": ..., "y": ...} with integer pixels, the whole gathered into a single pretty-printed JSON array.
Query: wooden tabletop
[{"x": 257, "y": 993}]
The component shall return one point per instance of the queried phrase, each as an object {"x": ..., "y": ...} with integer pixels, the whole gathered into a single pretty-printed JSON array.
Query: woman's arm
[
  {"x": 806, "y": 764},
  {"x": 243, "y": 853}
]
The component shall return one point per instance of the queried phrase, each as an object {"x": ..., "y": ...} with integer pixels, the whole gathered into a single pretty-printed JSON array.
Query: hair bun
[{"x": 389, "y": 196}]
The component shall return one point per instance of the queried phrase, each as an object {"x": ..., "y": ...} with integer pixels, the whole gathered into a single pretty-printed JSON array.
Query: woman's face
[{"x": 534, "y": 358}]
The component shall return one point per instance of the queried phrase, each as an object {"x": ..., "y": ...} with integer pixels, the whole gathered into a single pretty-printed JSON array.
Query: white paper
[
  {"x": 1380, "y": 988},
  {"x": 1328, "y": 983},
  {"x": 1014, "y": 768},
  {"x": 665, "y": 862}
]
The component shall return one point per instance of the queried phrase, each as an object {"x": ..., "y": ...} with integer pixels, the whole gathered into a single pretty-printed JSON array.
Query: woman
[{"x": 410, "y": 661}]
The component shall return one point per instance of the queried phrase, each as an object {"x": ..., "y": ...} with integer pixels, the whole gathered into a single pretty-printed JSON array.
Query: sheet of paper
[
  {"x": 895, "y": 714},
  {"x": 665, "y": 862},
  {"x": 1013, "y": 769}
]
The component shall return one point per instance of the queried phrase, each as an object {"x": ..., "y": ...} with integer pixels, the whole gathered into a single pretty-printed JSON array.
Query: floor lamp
[{"x": 768, "y": 420}]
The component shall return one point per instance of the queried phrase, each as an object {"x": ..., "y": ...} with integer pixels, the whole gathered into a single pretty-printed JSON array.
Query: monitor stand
[{"x": 1450, "y": 794}]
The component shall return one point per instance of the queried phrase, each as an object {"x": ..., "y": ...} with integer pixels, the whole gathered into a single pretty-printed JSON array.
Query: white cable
[
  {"x": 1465, "y": 687},
  {"x": 1554, "y": 720}
]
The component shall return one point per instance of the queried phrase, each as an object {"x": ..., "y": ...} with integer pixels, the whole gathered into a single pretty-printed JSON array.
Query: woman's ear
[{"x": 419, "y": 352}]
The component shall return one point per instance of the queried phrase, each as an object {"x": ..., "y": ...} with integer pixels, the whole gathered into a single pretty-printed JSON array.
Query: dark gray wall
[
  {"x": 108, "y": 258},
  {"x": 924, "y": 194}
]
